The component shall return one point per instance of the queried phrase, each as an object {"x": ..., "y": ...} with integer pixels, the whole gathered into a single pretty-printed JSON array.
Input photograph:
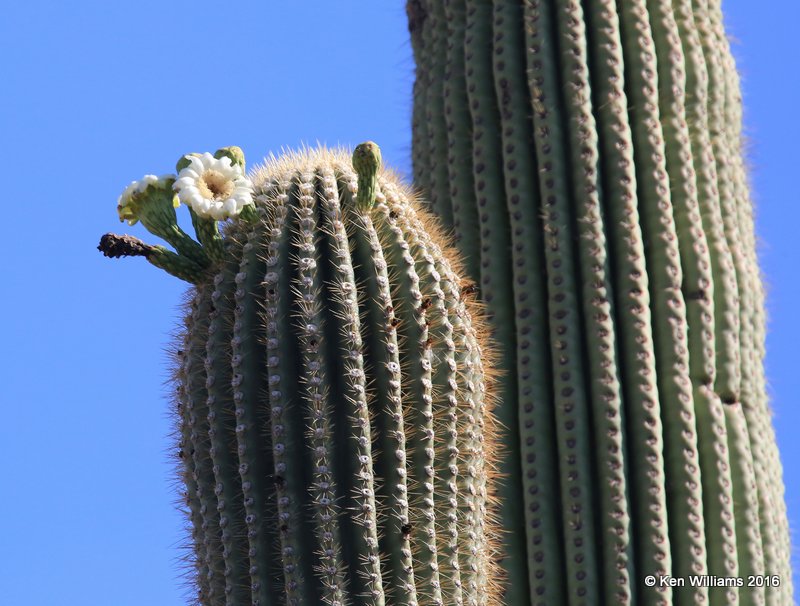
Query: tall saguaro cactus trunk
[{"x": 588, "y": 158}]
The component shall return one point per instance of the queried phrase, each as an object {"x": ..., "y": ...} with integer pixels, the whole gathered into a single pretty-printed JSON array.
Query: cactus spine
[
  {"x": 588, "y": 159},
  {"x": 333, "y": 404}
]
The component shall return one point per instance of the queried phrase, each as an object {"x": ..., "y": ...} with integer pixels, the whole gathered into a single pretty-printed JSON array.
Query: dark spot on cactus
[
  {"x": 696, "y": 295},
  {"x": 729, "y": 400},
  {"x": 426, "y": 304},
  {"x": 279, "y": 481},
  {"x": 392, "y": 214},
  {"x": 469, "y": 289},
  {"x": 428, "y": 342},
  {"x": 406, "y": 530},
  {"x": 180, "y": 454},
  {"x": 394, "y": 322}
]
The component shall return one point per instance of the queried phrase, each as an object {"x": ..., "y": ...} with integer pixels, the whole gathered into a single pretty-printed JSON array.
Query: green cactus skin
[
  {"x": 334, "y": 396},
  {"x": 597, "y": 191}
]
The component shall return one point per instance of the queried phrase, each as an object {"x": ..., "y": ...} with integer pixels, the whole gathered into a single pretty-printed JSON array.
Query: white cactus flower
[
  {"x": 214, "y": 187},
  {"x": 127, "y": 208}
]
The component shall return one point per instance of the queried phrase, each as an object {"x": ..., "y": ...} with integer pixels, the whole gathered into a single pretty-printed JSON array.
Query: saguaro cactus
[
  {"x": 333, "y": 403},
  {"x": 588, "y": 158}
]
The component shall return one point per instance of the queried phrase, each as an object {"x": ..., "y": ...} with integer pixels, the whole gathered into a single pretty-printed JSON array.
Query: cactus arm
[
  {"x": 535, "y": 417},
  {"x": 372, "y": 270},
  {"x": 290, "y": 367},
  {"x": 250, "y": 382},
  {"x": 459, "y": 141},
  {"x": 495, "y": 270},
  {"x": 282, "y": 382},
  {"x": 222, "y": 434}
]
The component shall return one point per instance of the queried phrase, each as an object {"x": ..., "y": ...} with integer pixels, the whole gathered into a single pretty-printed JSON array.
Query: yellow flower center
[{"x": 214, "y": 186}]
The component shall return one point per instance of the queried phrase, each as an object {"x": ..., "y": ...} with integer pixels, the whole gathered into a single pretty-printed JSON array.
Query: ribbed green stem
[
  {"x": 222, "y": 434},
  {"x": 442, "y": 490},
  {"x": 194, "y": 454},
  {"x": 435, "y": 35},
  {"x": 654, "y": 309},
  {"x": 571, "y": 400},
  {"x": 207, "y": 231},
  {"x": 496, "y": 276},
  {"x": 766, "y": 461},
  {"x": 714, "y": 463},
  {"x": 459, "y": 141},
  {"x": 418, "y": 27},
  {"x": 535, "y": 417},
  {"x": 669, "y": 314},
  {"x": 282, "y": 383},
  {"x": 249, "y": 383},
  {"x": 413, "y": 337},
  {"x": 762, "y": 438},
  {"x": 742, "y": 424},
  {"x": 200, "y": 451},
  {"x": 382, "y": 344},
  {"x": 366, "y": 579},
  {"x": 316, "y": 393},
  {"x": 685, "y": 513},
  {"x": 478, "y": 581},
  {"x": 177, "y": 265}
]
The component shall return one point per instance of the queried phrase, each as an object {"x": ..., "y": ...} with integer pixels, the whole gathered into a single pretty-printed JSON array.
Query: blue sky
[{"x": 97, "y": 94}]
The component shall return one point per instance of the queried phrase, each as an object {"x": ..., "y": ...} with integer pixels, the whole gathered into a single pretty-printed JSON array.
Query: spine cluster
[{"x": 588, "y": 158}]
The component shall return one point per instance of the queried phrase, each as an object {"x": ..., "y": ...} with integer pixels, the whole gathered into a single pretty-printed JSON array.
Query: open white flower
[
  {"x": 127, "y": 204},
  {"x": 214, "y": 187}
]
